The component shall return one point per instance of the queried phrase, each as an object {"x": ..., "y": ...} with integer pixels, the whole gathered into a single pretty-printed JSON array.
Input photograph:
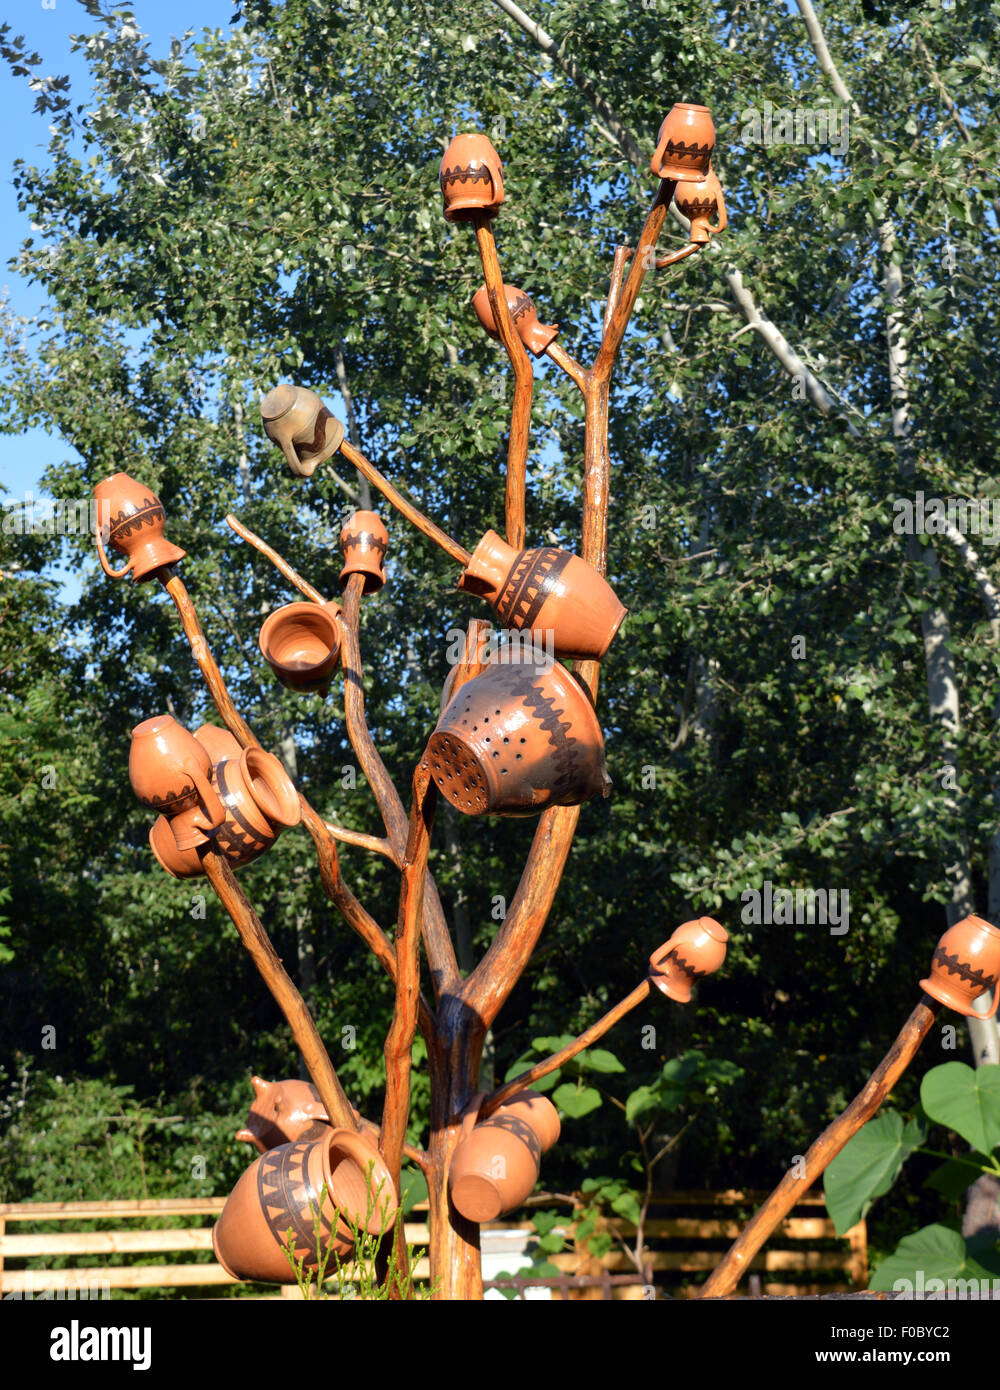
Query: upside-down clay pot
[
  {"x": 364, "y": 541},
  {"x": 302, "y": 427},
  {"x": 301, "y": 644},
  {"x": 520, "y": 736},
  {"x": 697, "y": 948},
  {"x": 170, "y": 773},
  {"x": 280, "y": 1193},
  {"x": 534, "y": 335},
  {"x": 966, "y": 965},
  {"x": 179, "y": 863},
  {"x": 471, "y": 178},
  {"x": 546, "y": 591},
  {"x": 495, "y": 1164},
  {"x": 704, "y": 207},
  {"x": 284, "y": 1112},
  {"x": 221, "y": 744},
  {"x": 685, "y": 144},
  {"x": 537, "y": 1111},
  {"x": 135, "y": 519}
]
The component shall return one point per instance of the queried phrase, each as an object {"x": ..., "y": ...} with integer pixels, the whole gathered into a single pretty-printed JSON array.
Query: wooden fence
[{"x": 685, "y": 1237}]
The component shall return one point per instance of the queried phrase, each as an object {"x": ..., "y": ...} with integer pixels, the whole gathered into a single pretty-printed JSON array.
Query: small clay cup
[
  {"x": 284, "y": 1112},
  {"x": 697, "y": 948},
  {"x": 534, "y": 335},
  {"x": 966, "y": 965},
  {"x": 495, "y": 1165},
  {"x": 471, "y": 178},
  {"x": 685, "y": 144},
  {"x": 280, "y": 1192},
  {"x": 134, "y": 518},
  {"x": 701, "y": 203},
  {"x": 170, "y": 773},
  {"x": 364, "y": 541},
  {"x": 301, "y": 644},
  {"x": 520, "y": 736},
  {"x": 302, "y": 426},
  {"x": 557, "y": 597}
]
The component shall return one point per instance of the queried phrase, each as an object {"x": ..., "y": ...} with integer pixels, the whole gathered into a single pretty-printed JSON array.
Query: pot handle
[
  {"x": 723, "y": 216},
  {"x": 996, "y": 1001},
  {"x": 214, "y": 812},
  {"x": 102, "y": 556}
]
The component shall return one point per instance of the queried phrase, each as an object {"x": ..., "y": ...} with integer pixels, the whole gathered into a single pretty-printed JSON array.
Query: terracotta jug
[
  {"x": 260, "y": 802},
  {"x": 537, "y": 1111},
  {"x": 685, "y": 144},
  {"x": 546, "y": 591},
  {"x": 471, "y": 178},
  {"x": 966, "y": 965},
  {"x": 697, "y": 948},
  {"x": 495, "y": 1165},
  {"x": 534, "y": 335},
  {"x": 170, "y": 772},
  {"x": 280, "y": 1192},
  {"x": 364, "y": 541},
  {"x": 134, "y": 518},
  {"x": 520, "y": 736},
  {"x": 700, "y": 203},
  {"x": 301, "y": 644},
  {"x": 284, "y": 1112},
  {"x": 302, "y": 426}
]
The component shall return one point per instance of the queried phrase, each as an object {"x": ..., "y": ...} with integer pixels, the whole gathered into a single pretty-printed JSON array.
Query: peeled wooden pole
[
  {"x": 279, "y": 562},
  {"x": 288, "y": 998},
  {"x": 727, "y": 1274},
  {"x": 414, "y": 517}
]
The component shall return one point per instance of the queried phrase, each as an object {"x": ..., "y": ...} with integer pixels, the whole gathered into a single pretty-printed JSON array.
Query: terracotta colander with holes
[{"x": 520, "y": 736}]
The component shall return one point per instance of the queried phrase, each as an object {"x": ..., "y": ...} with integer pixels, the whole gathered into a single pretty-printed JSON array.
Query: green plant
[
  {"x": 358, "y": 1277},
  {"x": 966, "y": 1101}
]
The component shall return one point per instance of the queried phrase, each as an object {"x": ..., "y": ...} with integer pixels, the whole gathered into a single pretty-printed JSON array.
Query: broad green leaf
[
  {"x": 867, "y": 1167},
  {"x": 576, "y": 1101},
  {"x": 935, "y": 1252},
  {"x": 598, "y": 1059},
  {"x": 967, "y": 1100},
  {"x": 641, "y": 1101},
  {"x": 956, "y": 1176}
]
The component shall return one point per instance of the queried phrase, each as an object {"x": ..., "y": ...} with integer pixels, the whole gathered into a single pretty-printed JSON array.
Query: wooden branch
[
  {"x": 414, "y": 517},
  {"x": 663, "y": 261},
  {"x": 792, "y": 1187},
  {"x": 375, "y": 843},
  {"x": 286, "y": 996},
  {"x": 570, "y": 365},
  {"x": 437, "y": 938},
  {"x": 622, "y": 254},
  {"x": 399, "y": 1040},
  {"x": 642, "y": 260},
  {"x": 231, "y": 716},
  {"x": 524, "y": 376},
  {"x": 585, "y": 1040},
  {"x": 279, "y": 563}
]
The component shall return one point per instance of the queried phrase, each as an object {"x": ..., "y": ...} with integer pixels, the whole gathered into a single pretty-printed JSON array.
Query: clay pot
[
  {"x": 221, "y": 744},
  {"x": 260, "y": 802},
  {"x": 534, "y": 335},
  {"x": 134, "y": 518},
  {"x": 537, "y": 1111},
  {"x": 700, "y": 203},
  {"x": 170, "y": 771},
  {"x": 471, "y": 178},
  {"x": 685, "y": 144},
  {"x": 495, "y": 1164},
  {"x": 697, "y": 948},
  {"x": 179, "y": 863},
  {"x": 280, "y": 1191},
  {"x": 966, "y": 965},
  {"x": 520, "y": 736},
  {"x": 546, "y": 591},
  {"x": 301, "y": 644},
  {"x": 284, "y": 1112},
  {"x": 301, "y": 425},
  {"x": 364, "y": 541}
]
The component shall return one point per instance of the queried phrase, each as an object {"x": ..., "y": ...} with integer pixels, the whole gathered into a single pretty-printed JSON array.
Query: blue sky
[{"x": 47, "y": 28}]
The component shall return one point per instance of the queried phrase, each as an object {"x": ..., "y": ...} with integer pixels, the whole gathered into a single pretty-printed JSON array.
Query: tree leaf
[
  {"x": 576, "y": 1101},
  {"x": 867, "y": 1167},
  {"x": 967, "y": 1100},
  {"x": 935, "y": 1252}
]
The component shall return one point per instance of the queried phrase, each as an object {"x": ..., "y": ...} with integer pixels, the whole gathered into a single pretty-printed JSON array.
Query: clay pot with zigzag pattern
[
  {"x": 364, "y": 541},
  {"x": 685, "y": 144},
  {"x": 561, "y": 600},
  {"x": 275, "y": 1201},
  {"x": 697, "y": 948},
  {"x": 170, "y": 772},
  {"x": 134, "y": 519},
  {"x": 700, "y": 203},
  {"x": 966, "y": 965},
  {"x": 520, "y": 736},
  {"x": 534, "y": 335},
  {"x": 471, "y": 178}
]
